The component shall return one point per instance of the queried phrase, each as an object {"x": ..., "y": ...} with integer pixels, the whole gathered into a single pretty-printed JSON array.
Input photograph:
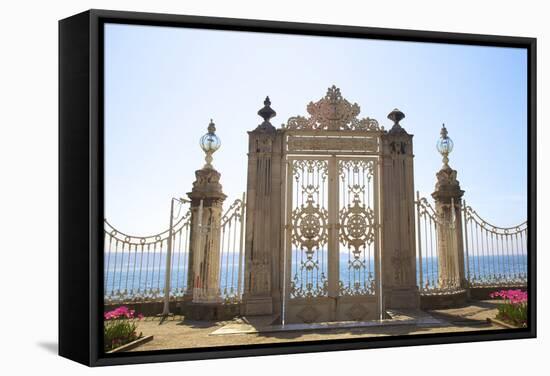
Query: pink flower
[
  {"x": 120, "y": 312},
  {"x": 512, "y": 296}
]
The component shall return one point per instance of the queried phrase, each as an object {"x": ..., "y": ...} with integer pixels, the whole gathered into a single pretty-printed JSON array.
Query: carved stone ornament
[
  {"x": 260, "y": 279},
  {"x": 333, "y": 112},
  {"x": 207, "y": 186},
  {"x": 357, "y": 312},
  {"x": 332, "y": 144},
  {"x": 308, "y": 314},
  {"x": 446, "y": 177},
  {"x": 399, "y": 261}
]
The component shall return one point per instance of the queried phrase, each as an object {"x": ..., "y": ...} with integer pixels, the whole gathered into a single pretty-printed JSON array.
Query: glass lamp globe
[
  {"x": 210, "y": 142},
  {"x": 445, "y": 145}
]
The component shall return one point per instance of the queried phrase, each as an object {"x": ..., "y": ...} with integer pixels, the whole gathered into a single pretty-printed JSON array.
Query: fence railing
[
  {"x": 431, "y": 229},
  {"x": 232, "y": 251},
  {"x": 493, "y": 256},
  {"x": 135, "y": 266}
]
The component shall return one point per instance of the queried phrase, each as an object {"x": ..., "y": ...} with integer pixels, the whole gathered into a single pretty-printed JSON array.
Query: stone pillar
[
  {"x": 263, "y": 243},
  {"x": 207, "y": 197},
  {"x": 204, "y": 251},
  {"x": 450, "y": 248},
  {"x": 399, "y": 289}
]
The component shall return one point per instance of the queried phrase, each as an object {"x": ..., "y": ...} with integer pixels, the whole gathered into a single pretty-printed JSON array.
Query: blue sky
[{"x": 163, "y": 84}]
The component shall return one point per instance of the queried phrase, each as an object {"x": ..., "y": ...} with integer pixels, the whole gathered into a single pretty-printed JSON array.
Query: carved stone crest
[{"x": 333, "y": 112}]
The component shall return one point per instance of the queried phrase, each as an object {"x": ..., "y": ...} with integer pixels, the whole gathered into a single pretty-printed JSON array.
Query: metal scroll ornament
[{"x": 357, "y": 228}]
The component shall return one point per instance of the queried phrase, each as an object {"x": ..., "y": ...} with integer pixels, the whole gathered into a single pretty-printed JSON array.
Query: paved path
[{"x": 177, "y": 333}]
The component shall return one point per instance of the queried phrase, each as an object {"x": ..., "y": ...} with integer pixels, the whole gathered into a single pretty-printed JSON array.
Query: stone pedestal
[
  {"x": 398, "y": 219},
  {"x": 204, "y": 246},
  {"x": 450, "y": 248}
]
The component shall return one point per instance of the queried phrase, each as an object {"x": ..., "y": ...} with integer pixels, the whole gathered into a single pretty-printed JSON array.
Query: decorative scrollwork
[
  {"x": 333, "y": 112},
  {"x": 309, "y": 166},
  {"x": 309, "y": 289},
  {"x": 367, "y": 287},
  {"x": 356, "y": 166}
]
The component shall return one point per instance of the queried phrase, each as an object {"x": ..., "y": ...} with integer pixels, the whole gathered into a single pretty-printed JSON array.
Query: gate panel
[
  {"x": 357, "y": 233},
  {"x": 358, "y": 240},
  {"x": 307, "y": 241},
  {"x": 309, "y": 234},
  {"x": 332, "y": 239}
]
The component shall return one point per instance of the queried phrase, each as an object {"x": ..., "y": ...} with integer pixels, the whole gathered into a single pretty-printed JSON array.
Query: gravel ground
[{"x": 177, "y": 333}]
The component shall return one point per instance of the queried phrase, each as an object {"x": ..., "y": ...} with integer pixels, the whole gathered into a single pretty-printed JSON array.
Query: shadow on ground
[{"x": 51, "y": 347}]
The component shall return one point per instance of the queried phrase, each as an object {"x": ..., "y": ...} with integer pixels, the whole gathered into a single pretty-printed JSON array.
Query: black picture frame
[{"x": 81, "y": 184}]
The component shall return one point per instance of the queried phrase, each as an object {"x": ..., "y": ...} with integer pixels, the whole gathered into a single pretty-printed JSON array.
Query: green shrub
[{"x": 119, "y": 327}]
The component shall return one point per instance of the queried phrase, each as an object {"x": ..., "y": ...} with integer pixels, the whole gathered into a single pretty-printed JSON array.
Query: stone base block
[
  {"x": 444, "y": 300},
  {"x": 406, "y": 297},
  {"x": 210, "y": 311},
  {"x": 255, "y": 306}
]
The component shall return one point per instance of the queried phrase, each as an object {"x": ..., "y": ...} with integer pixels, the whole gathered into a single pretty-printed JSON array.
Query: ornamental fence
[
  {"x": 492, "y": 256},
  {"x": 135, "y": 266}
]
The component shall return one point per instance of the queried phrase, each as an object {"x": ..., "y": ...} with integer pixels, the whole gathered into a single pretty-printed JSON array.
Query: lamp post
[
  {"x": 168, "y": 271},
  {"x": 206, "y": 210},
  {"x": 448, "y": 204}
]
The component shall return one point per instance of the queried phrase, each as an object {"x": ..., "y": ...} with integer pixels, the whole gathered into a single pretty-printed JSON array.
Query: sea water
[{"x": 133, "y": 272}]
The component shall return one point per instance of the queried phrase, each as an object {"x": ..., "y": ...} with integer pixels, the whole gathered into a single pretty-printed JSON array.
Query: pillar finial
[
  {"x": 396, "y": 116},
  {"x": 267, "y": 113}
]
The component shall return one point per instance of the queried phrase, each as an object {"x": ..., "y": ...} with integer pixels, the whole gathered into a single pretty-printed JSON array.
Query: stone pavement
[{"x": 177, "y": 332}]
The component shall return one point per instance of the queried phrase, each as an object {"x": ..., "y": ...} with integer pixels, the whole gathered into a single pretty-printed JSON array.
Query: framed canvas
[{"x": 234, "y": 187}]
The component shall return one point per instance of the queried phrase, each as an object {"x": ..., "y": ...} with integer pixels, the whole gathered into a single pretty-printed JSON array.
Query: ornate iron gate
[{"x": 332, "y": 228}]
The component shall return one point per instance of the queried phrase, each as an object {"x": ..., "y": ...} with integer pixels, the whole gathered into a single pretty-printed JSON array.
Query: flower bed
[
  {"x": 119, "y": 327},
  {"x": 514, "y": 308}
]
